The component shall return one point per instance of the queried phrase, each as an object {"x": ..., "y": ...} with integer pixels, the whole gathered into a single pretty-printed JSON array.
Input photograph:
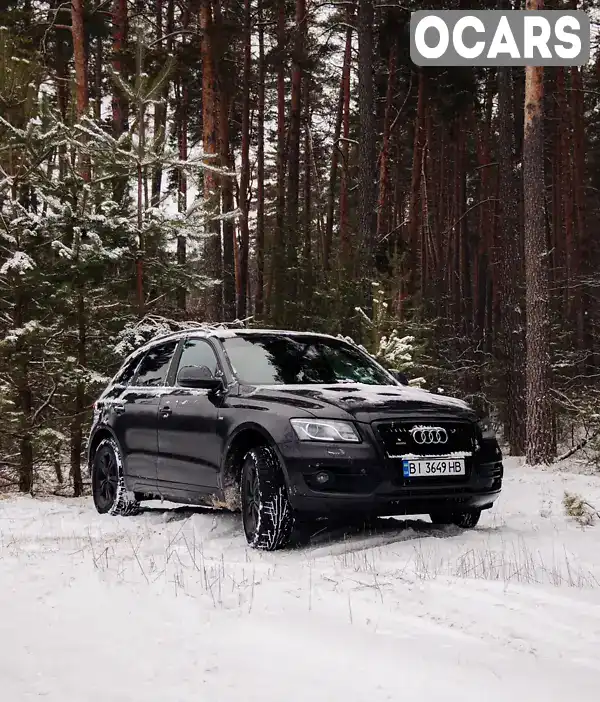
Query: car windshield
[{"x": 278, "y": 359}]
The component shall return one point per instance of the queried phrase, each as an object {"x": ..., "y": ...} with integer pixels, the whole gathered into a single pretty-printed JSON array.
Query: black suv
[{"x": 279, "y": 424}]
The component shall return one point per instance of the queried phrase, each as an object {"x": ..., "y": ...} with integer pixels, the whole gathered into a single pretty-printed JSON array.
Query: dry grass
[{"x": 515, "y": 561}]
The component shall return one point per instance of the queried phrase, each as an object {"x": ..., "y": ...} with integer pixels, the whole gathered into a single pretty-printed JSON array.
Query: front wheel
[
  {"x": 108, "y": 485},
  {"x": 464, "y": 520},
  {"x": 266, "y": 511}
]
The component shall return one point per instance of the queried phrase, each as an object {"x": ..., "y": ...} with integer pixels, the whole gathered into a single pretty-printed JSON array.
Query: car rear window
[
  {"x": 155, "y": 366},
  {"x": 126, "y": 373}
]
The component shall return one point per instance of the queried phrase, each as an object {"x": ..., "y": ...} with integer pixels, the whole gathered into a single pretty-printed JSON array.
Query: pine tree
[{"x": 540, "y": 447}]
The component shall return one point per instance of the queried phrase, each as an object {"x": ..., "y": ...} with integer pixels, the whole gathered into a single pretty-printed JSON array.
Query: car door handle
[
  {"x": 119, "y": 408},
  {"x": 166, "y": 411}
]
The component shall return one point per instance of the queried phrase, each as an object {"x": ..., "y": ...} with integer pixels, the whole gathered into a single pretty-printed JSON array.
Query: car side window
[
  {"x": 197, "y": 352},
  {"x": 155, "y": 366},
  {"x": 126, "y": 373}
]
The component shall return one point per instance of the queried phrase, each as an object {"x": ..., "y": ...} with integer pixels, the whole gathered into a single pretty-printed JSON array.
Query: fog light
[{"x": 322, "y": 478}]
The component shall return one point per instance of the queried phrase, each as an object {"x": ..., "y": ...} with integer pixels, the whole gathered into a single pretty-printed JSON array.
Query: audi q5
[{"x": 285, "y": 425}]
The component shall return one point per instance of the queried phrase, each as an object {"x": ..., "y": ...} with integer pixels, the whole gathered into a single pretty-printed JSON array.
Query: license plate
[{"x": 433, "y": 467}]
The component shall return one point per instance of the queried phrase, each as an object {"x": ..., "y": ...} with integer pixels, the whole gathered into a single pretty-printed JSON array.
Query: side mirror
[
  {"x": 400, "y": 377},
  {"x": 198, "y": 377}
]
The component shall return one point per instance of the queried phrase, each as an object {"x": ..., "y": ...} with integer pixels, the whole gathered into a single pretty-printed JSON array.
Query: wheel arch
[
  {"x": 102, "y": 432},
  {"x": 245, "y": 437}
]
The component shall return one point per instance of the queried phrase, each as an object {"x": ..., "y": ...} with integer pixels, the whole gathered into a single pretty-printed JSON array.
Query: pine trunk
[
  {"x": 414, "y": 213},
  {"x": 367, "y": 165},
  {"x": 511, "y": 347},
  {"x": 212, "y": 247},
  {"x": 482, "y": 270},
  {"x": 79, "y": 53},
  {"x": 182, "y": 194},
  {"x": 277, "y": 275},
  {"x": 383, "y": 205},
  {"x": 82, "y": 93},
  {"x": 345, "y": 184},
  {"x": 182, "y": 185},
  {"x": 226, "y": 182},
  {"x": 539, "y": 408},
  {"x": 580, "y": 261},
  {"x": 141, "y": 179},
  {"x": 328, "y": 239},
  {"x": 245, "y": 174},
  {"x": 307, "y": 280},
  {"x": 23, "y": 399},
  {"x": 160, "y": 108},
  {"x": 182, "y": 117},
  {"x": 98, "y": 81},
  {"x": 120, "y": 107},
  {"x": 260, "y": 187},
  {"x": 293, "y": 183},
  {"x": 63, "y": 94}
]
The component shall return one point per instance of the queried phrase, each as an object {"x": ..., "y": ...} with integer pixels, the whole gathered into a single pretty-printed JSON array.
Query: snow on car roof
[
  {"x": 218, "y": 332},
  {"x": 229, "y": 333}
]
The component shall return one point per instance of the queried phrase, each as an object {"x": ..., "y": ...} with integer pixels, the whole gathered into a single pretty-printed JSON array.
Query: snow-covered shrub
[
  {"x": 395, "y": 350},
  {"x": 579, "y": 509}
]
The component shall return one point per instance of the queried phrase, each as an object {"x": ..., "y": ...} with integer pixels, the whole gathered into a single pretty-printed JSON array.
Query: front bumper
[{"x": 364, "y": 480}]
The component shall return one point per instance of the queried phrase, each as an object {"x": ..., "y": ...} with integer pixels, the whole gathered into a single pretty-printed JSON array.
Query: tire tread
[
  {"x": 275, "y": 519},
  {"x": 125, "y": 503}
]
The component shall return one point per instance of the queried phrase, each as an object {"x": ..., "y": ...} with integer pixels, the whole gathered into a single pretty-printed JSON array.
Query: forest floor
[{"x": 171, "y": 605}]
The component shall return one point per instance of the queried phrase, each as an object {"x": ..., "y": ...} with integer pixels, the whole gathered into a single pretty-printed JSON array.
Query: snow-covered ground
[{"x": 172, "y": 606}]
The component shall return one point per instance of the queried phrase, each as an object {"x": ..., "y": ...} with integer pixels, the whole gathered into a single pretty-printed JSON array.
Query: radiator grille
[{"x": 438, "y": 438}]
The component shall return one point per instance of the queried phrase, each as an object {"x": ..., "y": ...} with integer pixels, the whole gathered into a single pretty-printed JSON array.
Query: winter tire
[
  {"x": 108, "y": 485},
  {"x": 467, "y": 520},
  {"x": 464, "y": 520},
  {"x": 266, "y": 511}
]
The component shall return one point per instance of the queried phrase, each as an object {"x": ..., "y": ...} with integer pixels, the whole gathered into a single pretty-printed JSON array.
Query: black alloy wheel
[
  {"x": 108, "y": 485},
  {"x": 105, "y": 479}
]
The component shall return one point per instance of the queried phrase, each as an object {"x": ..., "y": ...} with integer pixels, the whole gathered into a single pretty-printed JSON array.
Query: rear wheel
[
  {"x": 464, "y": 520},
  {"x": 266, "y": 511},
  {"x": 108, "y": 484}
]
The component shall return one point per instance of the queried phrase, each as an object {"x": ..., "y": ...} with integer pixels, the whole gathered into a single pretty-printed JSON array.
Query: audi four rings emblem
[{"x": 429, "y": 435}]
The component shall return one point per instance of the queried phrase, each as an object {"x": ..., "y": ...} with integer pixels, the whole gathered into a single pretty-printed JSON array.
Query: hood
[{"x": 364, "y": 402}]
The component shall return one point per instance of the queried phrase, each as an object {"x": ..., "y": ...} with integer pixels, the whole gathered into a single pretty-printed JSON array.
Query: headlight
[
  {"x": 487, "y": 428},
  {"x": 324, "y": 430}
]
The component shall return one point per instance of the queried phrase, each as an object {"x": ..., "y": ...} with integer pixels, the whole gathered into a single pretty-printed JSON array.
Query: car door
[
  {"x": 135, "y": 413},
  {"x": 189, "y": 445}
]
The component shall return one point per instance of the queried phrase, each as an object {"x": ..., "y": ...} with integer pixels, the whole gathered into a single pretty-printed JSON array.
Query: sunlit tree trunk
[
  {"x": 212, "y": 246},
  {"x": 539, "y": 408},
  {"x": 81, "y": 80}
]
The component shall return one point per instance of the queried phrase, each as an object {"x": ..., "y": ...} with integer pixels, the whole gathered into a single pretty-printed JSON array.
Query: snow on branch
[
  {"x": 137, "y": 334},
  {"x": 18, "y": 263}
]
